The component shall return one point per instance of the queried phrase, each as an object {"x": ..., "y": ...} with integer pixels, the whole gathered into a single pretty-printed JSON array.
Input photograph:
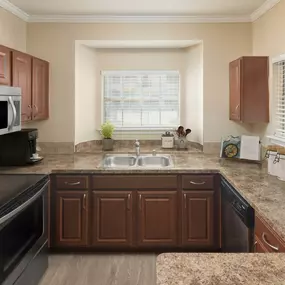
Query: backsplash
[{"x": 128, "y": 146}]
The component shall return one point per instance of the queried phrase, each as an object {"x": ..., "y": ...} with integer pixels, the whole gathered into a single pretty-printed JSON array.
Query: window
[
  {"x": 279, "y": 95},
  {"x": 141, "y": 99}
]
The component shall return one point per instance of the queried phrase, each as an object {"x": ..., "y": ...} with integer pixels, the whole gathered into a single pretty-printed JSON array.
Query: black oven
[{"x": 23, "y": 237}]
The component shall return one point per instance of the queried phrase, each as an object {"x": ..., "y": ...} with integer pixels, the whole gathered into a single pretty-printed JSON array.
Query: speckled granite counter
[
  {"x": 265, "y": 193},
  {"x": 220, "y": 269}
]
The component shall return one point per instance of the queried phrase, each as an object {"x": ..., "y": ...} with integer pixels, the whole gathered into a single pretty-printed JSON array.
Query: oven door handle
[
  {"x": 14, "y": 113},
  {"x": 23, "y": 206}
]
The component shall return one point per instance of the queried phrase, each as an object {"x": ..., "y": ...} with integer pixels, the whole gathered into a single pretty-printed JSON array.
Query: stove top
[{"x": 13, "y": 185}]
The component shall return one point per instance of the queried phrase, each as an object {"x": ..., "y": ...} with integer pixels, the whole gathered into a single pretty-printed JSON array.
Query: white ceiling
[{"x": 138, "y": 7}]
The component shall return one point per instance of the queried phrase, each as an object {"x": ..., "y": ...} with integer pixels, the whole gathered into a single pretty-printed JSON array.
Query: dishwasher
[{"x": 237, "y": 220}]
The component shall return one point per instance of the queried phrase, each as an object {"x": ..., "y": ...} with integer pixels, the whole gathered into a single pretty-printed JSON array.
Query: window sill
[
  {"x": 277, "y": 140},
  {"x": 142, "y": 130}
]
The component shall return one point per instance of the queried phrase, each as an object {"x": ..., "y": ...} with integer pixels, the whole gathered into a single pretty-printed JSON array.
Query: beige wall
[
  {"x": 13, "y": 31},
  {"x": 194, "y": 92},
  {"x": 56, "y": 43},
  {"x": 86, "y": 99},
  {"x": 269, "y": 39}
]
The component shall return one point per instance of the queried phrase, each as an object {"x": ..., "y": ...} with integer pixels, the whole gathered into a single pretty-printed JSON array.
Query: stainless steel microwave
[{"x": 10, "y": 109}]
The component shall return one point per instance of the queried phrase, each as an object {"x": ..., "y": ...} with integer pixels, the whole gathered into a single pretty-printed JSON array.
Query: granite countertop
[
  {"x": 220, "y": 269},
  {"x": 264, "y": 192}
]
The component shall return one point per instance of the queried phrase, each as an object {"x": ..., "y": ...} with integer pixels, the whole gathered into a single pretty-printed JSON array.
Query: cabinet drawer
[
  {"x": 71, "y": 182},
  {"x": 197, "y": 182},
  {"x": 134, "y": 182},
  {"x": 270, "y": 240}
]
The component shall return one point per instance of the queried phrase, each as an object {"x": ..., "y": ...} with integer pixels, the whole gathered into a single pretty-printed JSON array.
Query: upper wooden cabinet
[
  {"x": 5, "y": 66},
  {"x": 249, "y": 90},
  {"x": 22, "y": 77},
  {"x": 32, "y": 76},
  {"x": 40, "y": 89}
]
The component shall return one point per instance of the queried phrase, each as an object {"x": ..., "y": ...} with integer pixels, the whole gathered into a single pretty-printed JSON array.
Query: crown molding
[
  {"x": 8, "y": 6},
  {"x": 137, "y": 19},
  {"x": 269, "y": 4}
]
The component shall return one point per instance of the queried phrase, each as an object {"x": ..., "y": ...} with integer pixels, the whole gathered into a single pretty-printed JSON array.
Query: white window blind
[
  {"x": 279, "y": 95},
  {"x": 141, "y": 99}
]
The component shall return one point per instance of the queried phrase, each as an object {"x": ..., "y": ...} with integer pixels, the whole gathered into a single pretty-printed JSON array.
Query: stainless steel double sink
[{"x": 141, "y": 161}]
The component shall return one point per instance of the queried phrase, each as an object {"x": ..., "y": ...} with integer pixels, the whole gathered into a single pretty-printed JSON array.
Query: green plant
[{"x": 107, "y": 130}]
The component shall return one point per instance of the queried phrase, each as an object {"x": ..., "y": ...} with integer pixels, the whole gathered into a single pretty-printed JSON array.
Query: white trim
[
  {"x": 278, "y": 58},
  {"x": 138, "y": 19},
  {"x": 269, "y": 4},
  {"x": 8, "y": 6},
  {"x": 277, "y": 140}
]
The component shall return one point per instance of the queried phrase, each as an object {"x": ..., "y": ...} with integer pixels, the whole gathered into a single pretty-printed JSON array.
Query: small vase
[{"x": 108, "y": 144}]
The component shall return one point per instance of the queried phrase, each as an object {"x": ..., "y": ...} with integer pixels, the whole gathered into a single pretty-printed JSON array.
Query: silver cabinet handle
[
  {"x": 197, "y": 183},
  {"x": 129, "y": 201},
  {"x": 84, "y": 202},
  {"x": 237, "y": 107},
  {"x": 72, "y": 183},
  {"x": 140, "y": 201},
  {"x": 185, "y": 201},
  {"x": 37, "y": 110},
  {"x": 276, "y": 248}
]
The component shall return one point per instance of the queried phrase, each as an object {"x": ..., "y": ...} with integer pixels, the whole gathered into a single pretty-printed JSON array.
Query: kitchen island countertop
[
  {"x": 220, "y": 269},
  {"x": 264, "y": 192}
]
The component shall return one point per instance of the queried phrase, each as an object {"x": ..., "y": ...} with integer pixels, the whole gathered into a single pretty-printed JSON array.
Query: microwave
[{"x": 10, "y": 109}]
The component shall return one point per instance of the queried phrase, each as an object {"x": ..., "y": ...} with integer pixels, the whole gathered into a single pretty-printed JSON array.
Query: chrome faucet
[{"x": 137, "y": 146}]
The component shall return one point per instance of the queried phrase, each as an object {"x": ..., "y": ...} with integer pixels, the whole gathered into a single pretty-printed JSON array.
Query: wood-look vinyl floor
[{"x": 101, "y": 269}]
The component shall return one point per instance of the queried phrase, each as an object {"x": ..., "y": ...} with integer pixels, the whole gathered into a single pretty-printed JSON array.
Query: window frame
[
  {"x": 142, "y": 128},
  {"x": 273, "y": 138}
]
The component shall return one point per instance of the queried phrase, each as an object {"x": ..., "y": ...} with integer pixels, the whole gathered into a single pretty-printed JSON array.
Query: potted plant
[{"x": 107, "y": 130}]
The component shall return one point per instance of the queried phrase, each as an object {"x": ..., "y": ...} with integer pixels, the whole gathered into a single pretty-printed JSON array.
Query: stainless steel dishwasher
[{"x": 237, "y": 221}]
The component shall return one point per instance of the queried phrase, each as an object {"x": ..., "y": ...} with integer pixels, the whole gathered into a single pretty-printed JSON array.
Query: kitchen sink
[
  {"x": 119, "y": 161},
  {"x": 154, "y": 161},
  {"x": 142, "y": 161}
]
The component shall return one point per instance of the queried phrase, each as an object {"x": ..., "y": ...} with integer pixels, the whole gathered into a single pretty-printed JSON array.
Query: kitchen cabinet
[
  {"x": 40, "y": 89},
  {"x": 267, "y": 239},
  {"x": 198, "y": 218},
  {"x": 112, "y": 218},
  {"x": 249, "y": 89},
  {"x": 5, "y": 66},
  {"x": 71, "y": 222},
  {"x": 22, "y": 77},
  {"x": 157, "y": 218}
]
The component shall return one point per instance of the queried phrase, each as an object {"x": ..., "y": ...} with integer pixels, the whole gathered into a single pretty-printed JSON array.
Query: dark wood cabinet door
[
  {"x": 112, "y": 218},
  {"x": 40, "y": 89},
  {"x": 22, "y": 71},
  {"x": 157, "y": 218},
  {"x": 198, "y": 219},
  {"x": 259, "y": 247},
  {"x": 235, "y": 90},
  {"x": 5, "y": 66},
  {"x": 71, "y": 218}
]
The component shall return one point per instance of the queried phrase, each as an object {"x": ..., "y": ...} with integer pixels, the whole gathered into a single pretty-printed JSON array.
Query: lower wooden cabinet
[
  {"x": 112, "y": 218},
  {"x": 157, "y": 218},
  {"x": 71, "y": 218},
  {"x": 198, "y": 218}
]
